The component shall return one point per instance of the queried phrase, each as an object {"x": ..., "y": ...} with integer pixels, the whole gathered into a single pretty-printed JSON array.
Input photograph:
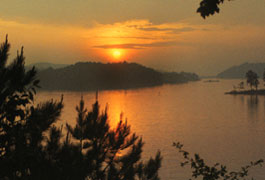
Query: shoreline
[
  {"x": 113, "y": 89},
  {"x": 247, "y": 92}
]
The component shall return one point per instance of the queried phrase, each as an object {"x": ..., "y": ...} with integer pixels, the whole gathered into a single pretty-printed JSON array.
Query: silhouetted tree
[
  {"x": 264, "y": 75},
  {"x": 241, "y": 85},
  {"x": 252, "y": 79},
  {"x": 216, "y": 172},
  {"x": 256, "y": 84},
  {"x": 22, "y": 126},
  {"x": 209, "y": 7},
  {"x": 32, "y": 147},
  {"x": 110, "y": 153}
]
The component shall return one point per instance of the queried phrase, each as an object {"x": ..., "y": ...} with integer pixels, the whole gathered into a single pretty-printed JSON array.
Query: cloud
[
  {"x": 138, "y": 46},
  {"x": 174, "y": 30},
  {"x": 184, "y": 29},
  {"x": 137, "y": 34},
  {"x": 126, "y": 37},
  {"x": 154, "y": 29}
]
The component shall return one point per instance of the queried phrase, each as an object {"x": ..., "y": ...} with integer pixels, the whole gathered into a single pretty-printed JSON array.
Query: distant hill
[
  {"x": 240, "y": 71},
  {"x": 45, "y": 65},
  {"x": 84, "y": 76}
]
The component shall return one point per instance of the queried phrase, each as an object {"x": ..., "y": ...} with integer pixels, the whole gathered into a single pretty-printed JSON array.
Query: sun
[{"x": 116, "y": 53}]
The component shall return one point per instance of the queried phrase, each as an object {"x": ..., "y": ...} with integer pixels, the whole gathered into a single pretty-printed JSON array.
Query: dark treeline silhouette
[
  {"x": 97, "y": 76},
  {"x": 32, "y": 147},
  {"x": 182, "y": 77},
  {"x": 44, "y": 65}
]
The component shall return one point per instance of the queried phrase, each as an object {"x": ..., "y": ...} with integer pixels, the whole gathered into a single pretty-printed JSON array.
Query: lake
[{"x": 221, "y": 128}]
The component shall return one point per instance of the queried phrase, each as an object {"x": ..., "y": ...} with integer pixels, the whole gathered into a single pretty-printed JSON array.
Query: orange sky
[{"x": 165, "y": 35}]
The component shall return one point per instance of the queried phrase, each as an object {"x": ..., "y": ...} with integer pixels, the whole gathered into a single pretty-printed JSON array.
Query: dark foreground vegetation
[
  {"x": 85, "y": 76},
  {"x": 33, "y": 148}
]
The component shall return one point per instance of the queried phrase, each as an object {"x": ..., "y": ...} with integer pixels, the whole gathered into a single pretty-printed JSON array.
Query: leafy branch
[{"x": 216, "y": 172}]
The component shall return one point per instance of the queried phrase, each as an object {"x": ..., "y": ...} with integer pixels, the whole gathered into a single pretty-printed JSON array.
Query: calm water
[{"x": 221, "y": 128}]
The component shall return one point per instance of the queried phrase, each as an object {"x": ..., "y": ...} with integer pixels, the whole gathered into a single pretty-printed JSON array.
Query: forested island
[
  {"x": 84, "y": 76},
  {"x": 252, "y": 79}
]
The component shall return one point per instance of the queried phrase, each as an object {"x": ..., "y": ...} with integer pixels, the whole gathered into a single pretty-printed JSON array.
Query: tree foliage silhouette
[
  {"x": 209, "y": 7},
  {"x": 252, "y": 79},
  {"x": 22, "y": 125},
  {"x": 32, "y": 147},
  {"x": 218, "y": 171},
  {"x": 110, "y": 153},
  {"x": 263, "y": 76}
]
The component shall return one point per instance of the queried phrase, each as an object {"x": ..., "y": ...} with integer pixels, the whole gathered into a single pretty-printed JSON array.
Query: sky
[{"x": 167, "y": 35}]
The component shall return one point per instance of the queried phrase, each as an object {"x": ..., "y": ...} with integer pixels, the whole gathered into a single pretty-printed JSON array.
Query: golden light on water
[{"x": 116, "y": 114}]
